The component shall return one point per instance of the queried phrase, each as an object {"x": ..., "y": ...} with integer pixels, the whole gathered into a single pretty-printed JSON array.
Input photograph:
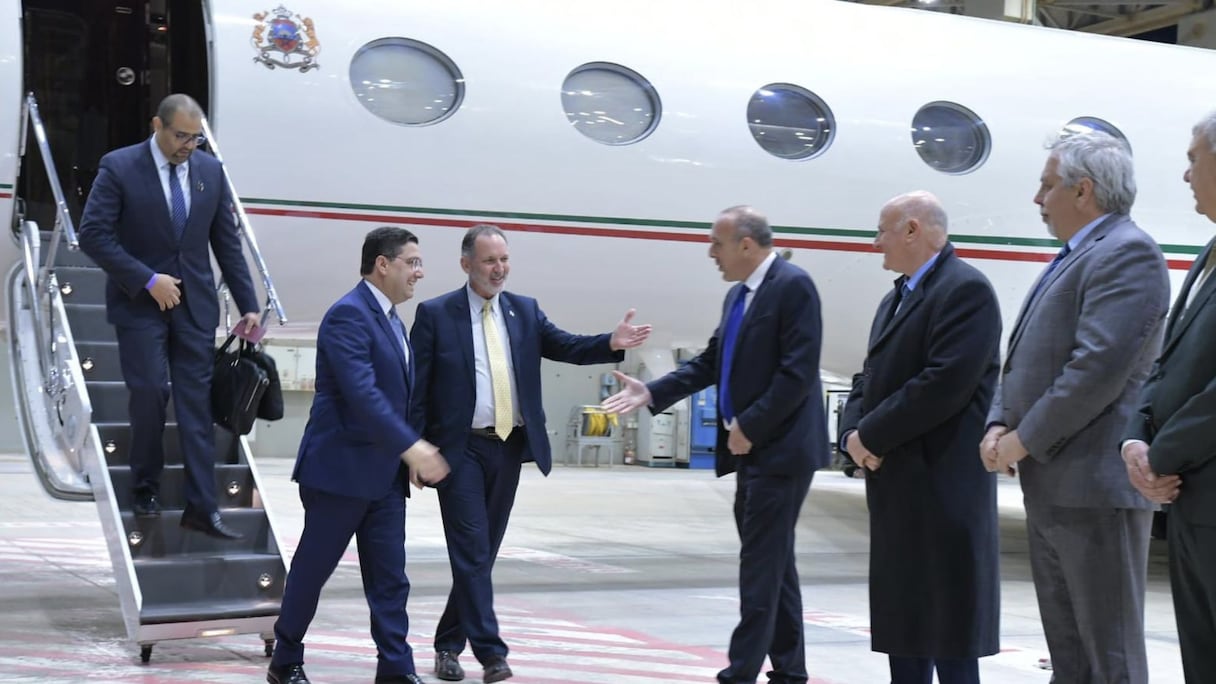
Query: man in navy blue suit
[
  {"x": 479, "y": 400},
  {"x": 153, "y": 210},
  {"x": 352, "y": 465},
  {"x": 772, "y": 432}
]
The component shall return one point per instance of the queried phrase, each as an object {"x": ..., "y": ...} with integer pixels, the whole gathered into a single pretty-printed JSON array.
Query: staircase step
[
  {"x": 116, "y": 441},
  {"x": 99, "y": 361},
  {"x": 199, "y": 581},
  {"x": 233, "y": 486},
  {"x": 66, "y": 256},
  {"x": 80, "y": 285},
  {"x": 162, "y": 537},
  {"x": 208, "y": 609},
  {"x": 88, "y": 321}
]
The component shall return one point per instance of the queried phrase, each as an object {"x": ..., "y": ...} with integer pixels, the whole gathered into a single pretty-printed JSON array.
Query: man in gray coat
[
  {"x": 1171, "y": 447},
  {"x": 912, "y": 421},
  {"x": 1081, "y": 348}
]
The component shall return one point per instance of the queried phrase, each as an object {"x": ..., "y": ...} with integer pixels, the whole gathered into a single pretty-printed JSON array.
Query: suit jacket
[
  {"x": 358, "y": 426},
  {"x": 1176, "y": 411},
  {"x": 774, "y": 379},
  {"x": 920, "y": 403},
  {"x": 126, "y": 229},
  {"x": 1076, "y": 360},
  {"x": 447, "y": 386}
]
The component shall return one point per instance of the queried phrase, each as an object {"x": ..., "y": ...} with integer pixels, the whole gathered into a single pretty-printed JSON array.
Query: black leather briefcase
[{"x": 238, "y": 384}]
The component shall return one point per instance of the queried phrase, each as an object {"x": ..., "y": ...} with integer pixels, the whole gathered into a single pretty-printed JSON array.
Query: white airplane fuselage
[{"x": 595, "y": 229}]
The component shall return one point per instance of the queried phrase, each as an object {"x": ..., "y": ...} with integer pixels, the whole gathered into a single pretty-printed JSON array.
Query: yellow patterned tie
[{"x": 500, "y": 379}]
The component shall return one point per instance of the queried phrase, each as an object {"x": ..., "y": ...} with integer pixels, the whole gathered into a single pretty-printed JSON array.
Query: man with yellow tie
[{"x": 478, "y": 399}]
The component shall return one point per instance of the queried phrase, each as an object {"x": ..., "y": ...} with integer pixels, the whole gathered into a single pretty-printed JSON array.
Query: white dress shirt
[
  {"x": 483, "y": 413},
  {"x": 162, "y": 173},
  {"x": 753, "y": 281}
]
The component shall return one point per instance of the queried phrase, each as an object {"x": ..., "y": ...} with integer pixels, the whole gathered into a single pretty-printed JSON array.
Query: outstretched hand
[
  {"x": 634, "y": 395},
  {"x": 627, "y": 335}
]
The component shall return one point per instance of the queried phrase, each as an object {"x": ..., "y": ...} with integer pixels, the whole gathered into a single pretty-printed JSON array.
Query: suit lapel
[
  {"x": 1182, "y": 315},
  {"x": 156, "y": 191},
  {"x": 515, "y": 332},
  {"x": 1028, "y": 306},
  {"x": 386, "y": 327},
  {"x": 458, "y": 309},
  {"x": 909, "y": 303}
]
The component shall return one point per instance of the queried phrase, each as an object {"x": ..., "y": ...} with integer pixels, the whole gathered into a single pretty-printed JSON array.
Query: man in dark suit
[
  {"x": 1170, "y": 452},
  {"x": 352, "y": 461},
  {"x": 1081, "y": 348},
  {"x": 153, "y": 210},
  {"x": 913, "y": 419},
  {"x": 772, "y": 431},
  {"x": 479, "y": 400}
]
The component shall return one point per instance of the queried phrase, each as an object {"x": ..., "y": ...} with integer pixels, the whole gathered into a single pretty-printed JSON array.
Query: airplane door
[{"x": 98, "y": 70}]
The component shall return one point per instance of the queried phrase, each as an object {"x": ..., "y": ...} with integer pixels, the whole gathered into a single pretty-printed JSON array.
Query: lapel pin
[
  {"x": 511, "y": 313},
  {"x": 200, "y": 186}
]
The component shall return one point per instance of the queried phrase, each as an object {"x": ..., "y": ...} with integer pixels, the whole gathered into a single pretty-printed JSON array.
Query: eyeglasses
[
  {"x": 183, "y": 138},
  {"x": 415, "y": 263}
]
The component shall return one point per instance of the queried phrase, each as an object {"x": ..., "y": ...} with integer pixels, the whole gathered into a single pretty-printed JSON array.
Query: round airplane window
[
  {"x": 1088, "y": 124},
  {"x": 406, "y": 82},
  {"x": 610, "y": 104},
  {"x": 950, "y": 137},
  {"x": 790, "y": 122}
]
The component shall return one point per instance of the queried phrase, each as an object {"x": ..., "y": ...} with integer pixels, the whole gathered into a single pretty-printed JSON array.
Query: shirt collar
[
  {"x": 753, "y": 281},
  {"x": 913, "y": 281},
  {"x": 160, "y": 158},
  {"x": 477, "y": 302},
  {"x": 381, "y": 298},
  {"x": 1081, "y": 234}
]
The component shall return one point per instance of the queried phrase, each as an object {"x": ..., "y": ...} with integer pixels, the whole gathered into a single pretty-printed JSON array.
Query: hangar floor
[{"x": 622, "y": 574}]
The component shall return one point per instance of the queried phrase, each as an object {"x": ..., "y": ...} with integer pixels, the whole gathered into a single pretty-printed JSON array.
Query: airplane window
[
  {"x": 1085, "y": 124},
  {"x": 950, "y": 137},
  {"x": 790, "y": 122},
  {"x": 610, "y": 104},
  {"x": 406, "y": 82}
]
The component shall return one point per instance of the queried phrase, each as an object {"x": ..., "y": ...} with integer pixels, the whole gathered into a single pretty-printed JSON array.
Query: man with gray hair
[
  {"x": 1170, "y": 451},
  {"x": 1080, "y": 350}
]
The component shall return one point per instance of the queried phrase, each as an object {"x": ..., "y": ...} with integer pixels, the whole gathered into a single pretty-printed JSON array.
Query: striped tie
[
  {"x": 178, "y": 200},
  {"x": 500, "y": 378}
]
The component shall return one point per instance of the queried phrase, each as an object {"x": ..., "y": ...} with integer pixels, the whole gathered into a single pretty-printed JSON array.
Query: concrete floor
[{"x": 622, "y": 574}]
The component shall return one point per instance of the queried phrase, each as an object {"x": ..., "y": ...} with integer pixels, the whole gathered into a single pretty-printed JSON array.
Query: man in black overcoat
[{"x": 912, "y": 423}]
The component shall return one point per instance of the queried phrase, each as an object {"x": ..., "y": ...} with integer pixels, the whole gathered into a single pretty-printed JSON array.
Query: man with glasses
[
  {"x": 352, "y": 465},
  {"x": 152, "y": 219}
]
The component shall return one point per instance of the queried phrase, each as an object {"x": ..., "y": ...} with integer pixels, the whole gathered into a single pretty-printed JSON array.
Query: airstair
[{"x": 72, "y": 405}]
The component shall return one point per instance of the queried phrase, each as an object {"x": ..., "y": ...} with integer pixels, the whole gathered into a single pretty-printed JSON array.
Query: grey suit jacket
[
  {"x": 1077, "y": 357},
  {"x": 1177, "y": 411}
]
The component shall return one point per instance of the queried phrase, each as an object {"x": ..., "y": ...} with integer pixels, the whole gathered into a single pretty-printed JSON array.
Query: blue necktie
[
  {"x": 1047, "y": 273},
  {"x": 904, "y": 291},
  {"x": 729, "y": 335},
  {"x": 178, "y": 200},
  {"x": 399, "y": 328}
]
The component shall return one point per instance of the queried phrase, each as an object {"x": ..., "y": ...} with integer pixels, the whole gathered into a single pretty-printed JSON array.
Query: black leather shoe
[
  {"x": 447, "y": 667},
  {"x": 495, "y": 671},
  {"x": 146, "y": 506},
  {"x": 400, "y": 679},
  {"x": 210, "y": 525},
  {"x": 288, "y": 674}
]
